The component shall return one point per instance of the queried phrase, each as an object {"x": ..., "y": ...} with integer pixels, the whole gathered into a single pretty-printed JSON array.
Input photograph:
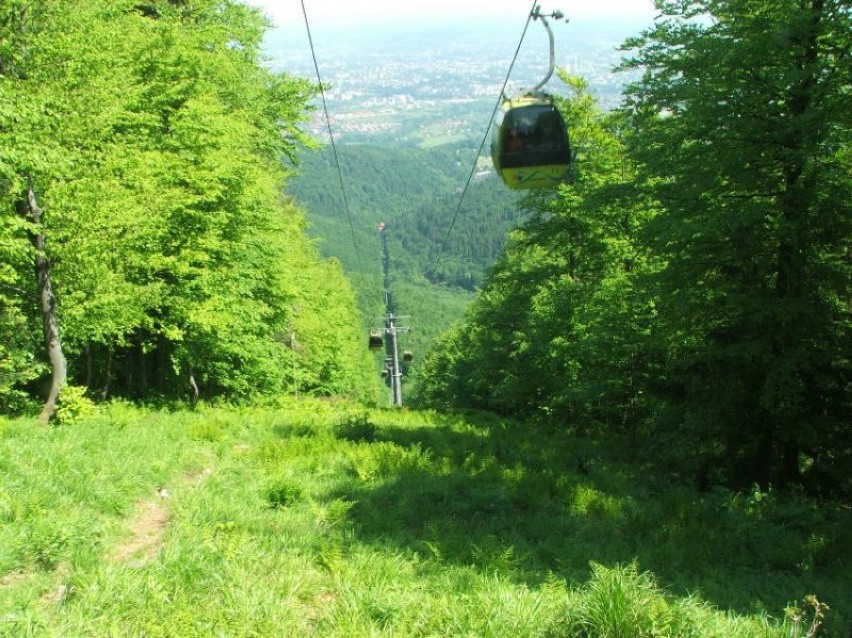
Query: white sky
[{"x": 338, "y": 13}]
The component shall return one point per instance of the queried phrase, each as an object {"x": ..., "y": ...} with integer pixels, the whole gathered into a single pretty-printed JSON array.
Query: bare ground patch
[
  {"x": 196, "y": 476},
  {"x": 149, "y": 524},
  {"x": 14, "y": 578},
  {"x": 147, "y": 529},
  {"x": 52, "y": 584}
]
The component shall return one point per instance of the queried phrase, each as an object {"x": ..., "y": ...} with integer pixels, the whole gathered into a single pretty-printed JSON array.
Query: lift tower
[
  {"x": 389, "y": 337},
  {"x": 393, "y": 362}
]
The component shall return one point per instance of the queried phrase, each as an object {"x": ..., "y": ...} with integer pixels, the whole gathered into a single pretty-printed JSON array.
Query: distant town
[{"x": 431, "y": 87}]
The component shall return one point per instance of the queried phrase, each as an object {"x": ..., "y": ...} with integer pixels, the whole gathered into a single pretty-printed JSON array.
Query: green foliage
[
  {"x": 153, "y": 137},
  {"x": 738, "y": 134},
  {"x": 622, "y": 603},
  {"x": 356, "y": 428},
  {"x": 691, "y": 286},
  {"x": 807, "y": 617},
  {"x": 73, "y": 406},
  {"x": 380, "y": 183},
  {"x": 283, "y": 495},
  {"x": 416, "y": 193},
  {"x": 17, "y": 365},
  {"x": 561, "y": 302}
]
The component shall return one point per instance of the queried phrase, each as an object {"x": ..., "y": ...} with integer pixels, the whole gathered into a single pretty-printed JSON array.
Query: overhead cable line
[
  {"x": 485, "y": 137},
  {"x": 331, "y": 137}
]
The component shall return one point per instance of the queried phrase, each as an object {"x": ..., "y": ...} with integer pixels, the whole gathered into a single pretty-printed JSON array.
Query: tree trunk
[
  {"x": 193, "y": 386},
  {"x": 87, "y": 351},
  {"x": 30, "y": 210},
  {"x": 107, "y": 374},
  {"x": 792, "y": 254}
]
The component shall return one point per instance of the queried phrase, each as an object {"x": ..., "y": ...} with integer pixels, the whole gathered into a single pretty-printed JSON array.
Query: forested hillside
[
  {"x": 416, "y": 192},
  {"x": 692, "y": 287},
  {"x": 145, "y": 248}
]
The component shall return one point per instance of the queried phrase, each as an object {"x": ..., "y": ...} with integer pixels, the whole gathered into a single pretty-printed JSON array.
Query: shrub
[
  {"x": 620, "y": 602},
  {"x": 283, "y": 495},
  {"x": 73, "y": 405}
]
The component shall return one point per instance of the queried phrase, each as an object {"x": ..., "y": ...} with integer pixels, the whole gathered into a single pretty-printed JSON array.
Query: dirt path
[{"x": 148, "y": 526}]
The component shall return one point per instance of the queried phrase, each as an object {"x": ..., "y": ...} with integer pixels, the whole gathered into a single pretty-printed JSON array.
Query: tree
[
  {"x": 30, "y": 102},
  {"x": 741, "y": 128}
]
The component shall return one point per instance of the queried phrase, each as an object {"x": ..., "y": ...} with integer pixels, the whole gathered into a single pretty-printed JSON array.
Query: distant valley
[{"x": 427, "y": 86}]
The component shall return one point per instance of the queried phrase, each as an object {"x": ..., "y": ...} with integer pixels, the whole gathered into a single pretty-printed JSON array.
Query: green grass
[{"x": 320, "y": 518}]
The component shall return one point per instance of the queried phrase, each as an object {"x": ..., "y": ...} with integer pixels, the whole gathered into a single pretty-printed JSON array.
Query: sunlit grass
[{"x": 323, "y": 518}]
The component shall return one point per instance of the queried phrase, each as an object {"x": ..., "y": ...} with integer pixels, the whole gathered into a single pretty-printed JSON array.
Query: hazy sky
[{"x": 360, "y": 12}]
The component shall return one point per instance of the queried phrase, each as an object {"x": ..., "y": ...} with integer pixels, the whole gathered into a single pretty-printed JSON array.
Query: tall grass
[{"x": 325, "y": 519}]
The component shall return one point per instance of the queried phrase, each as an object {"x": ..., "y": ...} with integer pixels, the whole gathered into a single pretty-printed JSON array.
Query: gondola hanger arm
[{"x": 538, "y": 15}]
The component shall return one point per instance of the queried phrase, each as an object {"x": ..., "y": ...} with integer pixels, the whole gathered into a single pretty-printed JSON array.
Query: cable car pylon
[{"x": 393, "y": 364}]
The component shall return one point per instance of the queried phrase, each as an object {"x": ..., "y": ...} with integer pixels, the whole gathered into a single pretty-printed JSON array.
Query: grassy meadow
[{"x": 322, "y": 518}]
